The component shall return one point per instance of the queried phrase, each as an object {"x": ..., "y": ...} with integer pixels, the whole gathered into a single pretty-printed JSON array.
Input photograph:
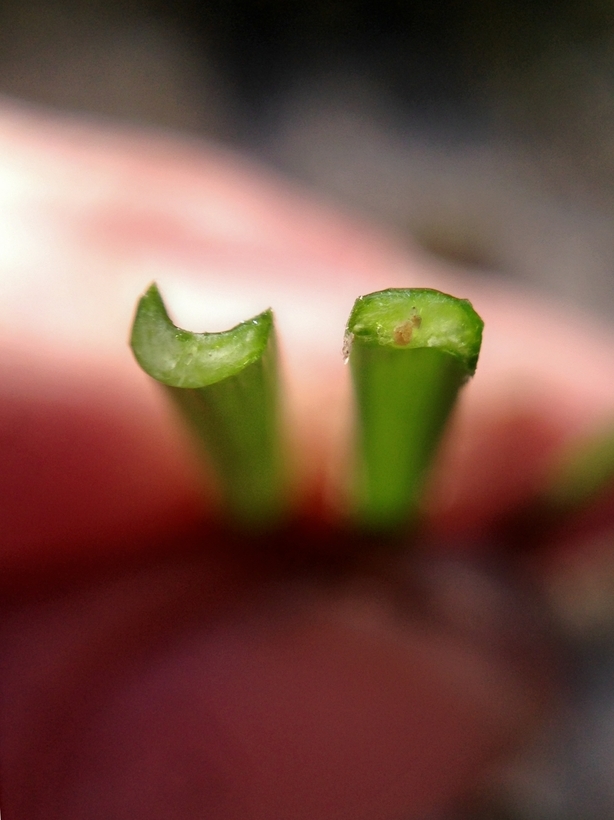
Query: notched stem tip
[{"x": 226, "y": 386}]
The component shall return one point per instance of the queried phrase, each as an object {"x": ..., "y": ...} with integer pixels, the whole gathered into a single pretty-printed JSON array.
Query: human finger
[{"x": 91, "y": 454}]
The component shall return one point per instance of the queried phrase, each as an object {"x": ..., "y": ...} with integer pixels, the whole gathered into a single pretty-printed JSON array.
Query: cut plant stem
[
  {"x": 410, "y": 351},
  {"x": 226, "y": 386}
]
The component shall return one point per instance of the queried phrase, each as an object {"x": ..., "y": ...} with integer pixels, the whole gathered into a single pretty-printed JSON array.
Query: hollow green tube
[
  {"x": 226, "y": 386},
  {"x": 410, "y": 351}
]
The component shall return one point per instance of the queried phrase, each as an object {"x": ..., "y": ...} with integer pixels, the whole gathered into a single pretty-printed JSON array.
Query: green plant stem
[
  {"x": 581, "y": 473},
  {"x": 410, "y": 351},
  {"x": 227, "y": 388}
]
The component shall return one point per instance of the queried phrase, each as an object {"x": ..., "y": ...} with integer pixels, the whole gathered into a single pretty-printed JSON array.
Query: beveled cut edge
[
  {"x": 181, "y": 358},
  {"x": 412, "y": 318}
]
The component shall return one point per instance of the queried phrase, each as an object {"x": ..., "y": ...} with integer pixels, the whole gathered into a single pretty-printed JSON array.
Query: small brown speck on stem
[{"x": 402, "y": 333}]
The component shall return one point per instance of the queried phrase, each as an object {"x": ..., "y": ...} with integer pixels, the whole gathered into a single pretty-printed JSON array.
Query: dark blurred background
[{"x": 483, "y": 129}]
